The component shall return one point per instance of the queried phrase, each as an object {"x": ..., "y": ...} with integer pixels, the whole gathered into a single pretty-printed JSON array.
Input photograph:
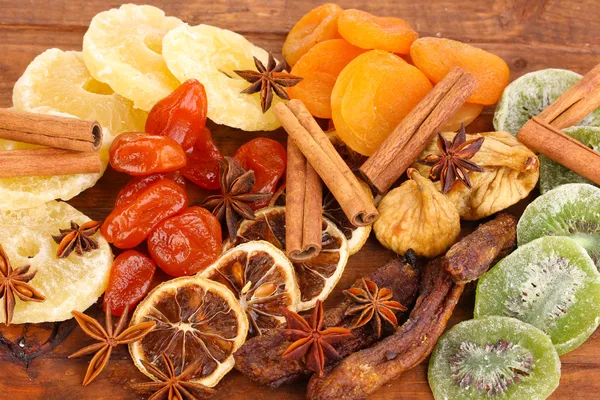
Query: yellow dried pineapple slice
[
  {"x": 33, "y": 191},
  {"x": 60, "y": 80},
  {"x": 122, "y": 48},
  {"x": 72, "y": 283},
  {"x": 210, "y": 55}
]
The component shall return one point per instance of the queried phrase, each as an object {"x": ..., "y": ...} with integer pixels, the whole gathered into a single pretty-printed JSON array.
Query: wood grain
[{"x": 528, "y": 34}]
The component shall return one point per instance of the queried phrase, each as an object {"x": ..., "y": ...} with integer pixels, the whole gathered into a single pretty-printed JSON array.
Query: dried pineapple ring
[
  {"x": 72, "y": 283},
  {"x": 33, "y": 191},
  {"x": 210, "y": 55},
  {"x": 122, "y": 48},
  {"x": 60, "y": 80}
]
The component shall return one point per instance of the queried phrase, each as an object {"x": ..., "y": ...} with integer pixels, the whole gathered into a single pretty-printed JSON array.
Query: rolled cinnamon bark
[
  {"x": 49, "y": 130},
  {"x": 47, "y": 162},
  {"x": 303, "y": 209}
]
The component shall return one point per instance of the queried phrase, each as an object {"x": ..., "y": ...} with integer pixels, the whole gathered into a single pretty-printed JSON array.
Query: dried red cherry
[
  {"x": 132, "y": 189},
  {"x": 203, "y": 162}
]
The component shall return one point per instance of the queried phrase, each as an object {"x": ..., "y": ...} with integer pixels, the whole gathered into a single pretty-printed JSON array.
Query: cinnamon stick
[
  {"x": 542, "y": 133},
  {"x": 47, "y": 162},
  {"x": 321, "y": 155},
  {"x": 49, "y": 130},
  {"x": 303, "y": 209},
  {"x": 402, "y": 147}
]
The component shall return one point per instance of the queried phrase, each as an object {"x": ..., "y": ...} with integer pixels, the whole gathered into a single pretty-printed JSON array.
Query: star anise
[
  {"x": 78, "y": 238},
  {"x": 268, "y": 80},
  {"x": 311, "y": 340},
  {"x": 373, "y": 304},
  {"x": 108, "y": 339},
  {"x": 14, "y": 284},
  {"x": 233, "y": 202},
  {"x": 171, "y": 386},
  {"x": 453, "y": 163}
]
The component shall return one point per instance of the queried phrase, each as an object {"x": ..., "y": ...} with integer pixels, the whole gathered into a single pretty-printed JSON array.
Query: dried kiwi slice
[
  {"x": 569, "y": 210},
  {"x": 550, "y": 283},
  {"x": 530, "y": 94},
  {"x": 552, "y": 174},
  {"x": 494, "y": 357}
]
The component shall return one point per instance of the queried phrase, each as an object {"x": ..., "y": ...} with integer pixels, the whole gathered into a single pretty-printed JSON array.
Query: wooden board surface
[{"x": 528, "y": 34}]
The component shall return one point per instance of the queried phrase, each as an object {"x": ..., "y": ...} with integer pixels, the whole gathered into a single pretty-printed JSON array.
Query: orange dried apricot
[
  {"x": 372, "y": 95},
  {"x": 318, "y": 25},
  {"x": 319, "y": 68},
  {"x": 436, "y": 57},
  {"x": 465, "y": 115},
  {"x": 368, "y": 31}
]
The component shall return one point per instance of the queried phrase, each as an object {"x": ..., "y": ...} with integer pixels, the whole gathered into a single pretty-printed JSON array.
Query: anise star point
[
  {"x": 108, "y": 338},
  {"x": 14, "y": 284},
  {"x": 267, "y": 80},
  {"x": 78, "y": 238},
  {"x": 170, "y": 386},
  {"x": 310, "y": 340},
  {"x": 453, "y": 162},
  {"x": 373, "y": 304}
]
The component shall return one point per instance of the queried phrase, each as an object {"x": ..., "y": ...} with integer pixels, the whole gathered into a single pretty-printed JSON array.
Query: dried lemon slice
[
  {"x": 210, "y": 55},
  {"x": 60, "y": 80},
  {"x": 316, "y": 277},
  {"x": 72, "y": 283},
  {"x": 122, "y": 48},
  {"x": 263, "y": 280},
  {"x": 196, "y": 319},
  {"x": 33, "y": 191}
]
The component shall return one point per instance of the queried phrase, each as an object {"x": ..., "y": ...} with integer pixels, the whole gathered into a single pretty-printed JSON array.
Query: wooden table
[{"x": 528, "y": 34}]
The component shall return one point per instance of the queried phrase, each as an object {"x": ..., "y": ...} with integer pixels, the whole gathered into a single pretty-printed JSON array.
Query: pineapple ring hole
[
  {"x": 154, "y": 43},
  {"x": 29, "y": 247},
  {"x": 97, "y": 87}
]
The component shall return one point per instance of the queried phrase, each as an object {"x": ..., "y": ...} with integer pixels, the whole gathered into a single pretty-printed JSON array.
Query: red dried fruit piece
[
  {"x": 181, "y": 115},
  {"x": 368, "y": 31},
  {"x": 435, "y": 57},
  {"x": 267, "y": 158},
  {"x": 319, "y": 68},
  {"x": 128, "y": 226},
  {"x": 203, "y": 162},
  {"x": 186, "y": 243},
  {"x": 318, "y": 25},
  {"x": 132, "y": 189},
  {"x": 142, "y": 154},
  {"x": 130, "y": 278}
]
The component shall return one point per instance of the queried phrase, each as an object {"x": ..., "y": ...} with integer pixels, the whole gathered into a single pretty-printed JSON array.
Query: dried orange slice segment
[
  {"x": 196, "y": 319},
  {"x": 316, "y": 277},
  {"x": 263, "y": 280}
]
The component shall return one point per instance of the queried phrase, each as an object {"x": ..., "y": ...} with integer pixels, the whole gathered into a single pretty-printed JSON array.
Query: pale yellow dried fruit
[
  {"x": 210, "y": 55},
  {"x": 60, "y": 80},
  {"x": 123, "y": 47},
  {"x": 511, "y": 172},
  {"x": 416, "y": 216}
]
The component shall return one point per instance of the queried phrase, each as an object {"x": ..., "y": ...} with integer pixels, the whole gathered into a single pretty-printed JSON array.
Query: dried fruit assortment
[{"x": 237, "y": 262}]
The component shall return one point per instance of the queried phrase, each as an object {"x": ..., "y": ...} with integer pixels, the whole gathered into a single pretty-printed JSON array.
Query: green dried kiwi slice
[
  {"x": 552, "y": 174},
  {"x": 494, "y": 357},
  {"x": 569, "y": 210},
  {"x": 550, "y": 283},
  {"x": 530, "y": 94}
]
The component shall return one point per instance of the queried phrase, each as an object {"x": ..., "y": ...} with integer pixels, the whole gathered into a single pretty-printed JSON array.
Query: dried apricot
[
  {"x": 319, "y": 68},
  {"x": 368, "y": 31},
  {"x": 465, "y": 115},
  {"x": 316, "y": 26},
  {"x": 436, "y": 57},
  {"x": 372, "y": 95}
]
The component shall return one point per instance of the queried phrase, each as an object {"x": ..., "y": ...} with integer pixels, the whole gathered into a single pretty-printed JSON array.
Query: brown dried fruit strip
[{"x": 260, "y": 359}]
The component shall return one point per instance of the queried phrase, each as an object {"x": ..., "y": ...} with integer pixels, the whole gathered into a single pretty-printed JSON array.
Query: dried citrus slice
[
  {"x": 72, "y": 283},
  {"x": 316, "y": 277},
  {"x": 210, "y": 55},
  {"x": 196, "y": 319},
  {"x": 122, "y": 48},
  {"x": 60, "y": 80},
  {"x": 263, "y": 280},
  {"x": 33, "y": 191}
]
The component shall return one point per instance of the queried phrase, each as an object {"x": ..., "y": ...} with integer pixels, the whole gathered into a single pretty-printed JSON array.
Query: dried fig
[{"x": 417, "y": 216}]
